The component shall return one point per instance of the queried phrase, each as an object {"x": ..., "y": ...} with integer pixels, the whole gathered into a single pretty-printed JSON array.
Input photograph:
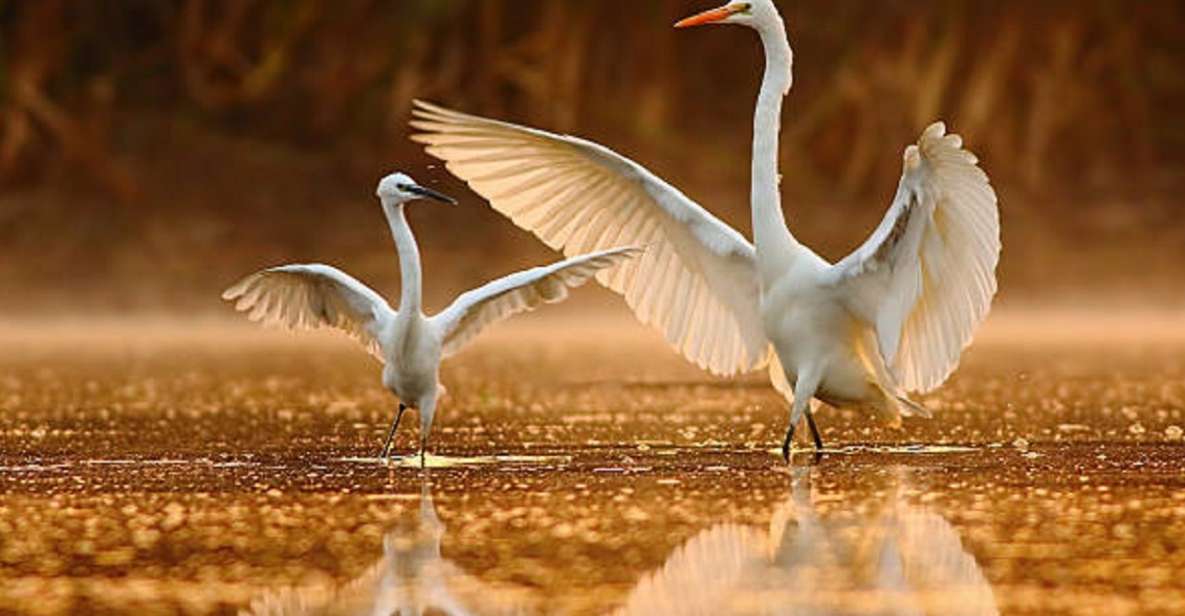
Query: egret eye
[{"x": 403, "y": 187}]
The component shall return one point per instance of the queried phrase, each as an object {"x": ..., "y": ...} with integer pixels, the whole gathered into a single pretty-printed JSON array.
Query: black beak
[{"x": 428, "y": 193}]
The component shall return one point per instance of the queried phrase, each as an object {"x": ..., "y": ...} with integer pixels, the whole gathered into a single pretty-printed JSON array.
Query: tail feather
[{"x": 909, "y": 408}]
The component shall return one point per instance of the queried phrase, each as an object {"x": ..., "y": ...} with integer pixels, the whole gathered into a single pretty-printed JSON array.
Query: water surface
[{"x": 215, "y": 469}]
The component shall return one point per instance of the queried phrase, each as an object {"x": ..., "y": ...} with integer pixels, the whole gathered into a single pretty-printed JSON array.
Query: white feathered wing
[
  {"x": 311, "y": 297},
  {"x": 926, "y": 277},
  {"x": 697, "y": 282},
  {"x": 473, "y": 310}
]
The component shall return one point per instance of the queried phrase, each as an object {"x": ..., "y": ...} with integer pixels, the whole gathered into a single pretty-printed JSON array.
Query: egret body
[
  {"x": 892, "y": 317},
  {"x": 410, "y": 344}
]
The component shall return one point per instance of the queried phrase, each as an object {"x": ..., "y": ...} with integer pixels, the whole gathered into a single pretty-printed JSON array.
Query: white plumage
[
  {"x": 410, "y": 344},
  {"x": 927, "y": 275},
  {"x": 893, "y": 317},
  {"x": 695, "y": 281},
  {"x": 311, "y": 297},
  {"x": 472, "y": 311}
]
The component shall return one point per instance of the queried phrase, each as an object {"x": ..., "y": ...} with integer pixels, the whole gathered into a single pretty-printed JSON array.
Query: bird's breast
[
  {"x": 411, "y": 370},
  {"x": 814, "y": 332},
  {"x": 410, "y": 382}
]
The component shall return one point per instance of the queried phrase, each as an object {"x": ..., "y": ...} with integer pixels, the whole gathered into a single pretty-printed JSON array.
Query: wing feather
[
  {"x": 474, "y": 310},
  {"x": 311, "y": 297},
  {"x": 577, "y": 196},
  {"x": 926, "y": 277}
]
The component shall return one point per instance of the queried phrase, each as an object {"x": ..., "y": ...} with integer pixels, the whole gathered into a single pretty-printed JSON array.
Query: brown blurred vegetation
[{"x": 144, "y": 139}]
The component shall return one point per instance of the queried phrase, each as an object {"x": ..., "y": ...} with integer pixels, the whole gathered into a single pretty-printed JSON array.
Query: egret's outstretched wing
[
  {"x": 311, "y": 297},
  {"x": 697, "y": 281},
  {"x": 519, "y": 292},
  {"x": 926, "y": 277}
]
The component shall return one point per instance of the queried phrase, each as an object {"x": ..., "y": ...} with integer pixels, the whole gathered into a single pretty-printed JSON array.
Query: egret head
[
  {"x": 752, "y": 13},
  {"x": 399, "y": 188}
]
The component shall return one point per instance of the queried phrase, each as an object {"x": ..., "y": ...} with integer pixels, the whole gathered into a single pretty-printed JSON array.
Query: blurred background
[{"x": 153, "y": 151}]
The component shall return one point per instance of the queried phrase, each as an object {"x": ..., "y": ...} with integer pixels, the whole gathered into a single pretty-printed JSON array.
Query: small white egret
[
  {"x": 410, "y": 344},
  {"x": 890, "y": 318}
]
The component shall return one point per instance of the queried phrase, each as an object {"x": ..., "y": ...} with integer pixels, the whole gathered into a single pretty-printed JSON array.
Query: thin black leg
[
  {"x": 810, "y": 421},
  {"x": 423, "y": 450},
  {"x": 786, "y": 443},
  {"x": 391, "y": 434}
]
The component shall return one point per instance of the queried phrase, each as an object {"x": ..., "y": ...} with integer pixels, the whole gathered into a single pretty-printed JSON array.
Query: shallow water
[
  {"x": 579, "y": 468},
  {"x": 430, "y": 460}
]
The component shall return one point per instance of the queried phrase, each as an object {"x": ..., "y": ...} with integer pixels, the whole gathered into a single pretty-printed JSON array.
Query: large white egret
[
  {"x": 410, "y": 344},
  {"x": 890, "y": 318}
]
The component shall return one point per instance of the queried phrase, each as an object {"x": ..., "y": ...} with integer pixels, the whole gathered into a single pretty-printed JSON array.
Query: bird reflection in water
[
  {"x": 857, "y": 558},
  {"x": 819, "y": 556},
  {"x": 411, "y": 578}
]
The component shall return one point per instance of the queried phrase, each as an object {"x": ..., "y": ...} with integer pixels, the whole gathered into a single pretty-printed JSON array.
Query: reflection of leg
[{"x": 391, "y": 434}]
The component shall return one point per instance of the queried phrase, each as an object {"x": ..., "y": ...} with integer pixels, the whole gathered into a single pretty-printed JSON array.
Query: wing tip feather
[{"x": 240, "y": 288}]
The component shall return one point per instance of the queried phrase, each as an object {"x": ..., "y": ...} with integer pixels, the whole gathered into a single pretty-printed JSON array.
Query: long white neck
[
  {"x": 409, "y": 259},
  {"x": 775, "y": 244}
]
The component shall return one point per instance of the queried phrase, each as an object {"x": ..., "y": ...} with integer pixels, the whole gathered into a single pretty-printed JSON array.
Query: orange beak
[{"x": 710, "y": 17}]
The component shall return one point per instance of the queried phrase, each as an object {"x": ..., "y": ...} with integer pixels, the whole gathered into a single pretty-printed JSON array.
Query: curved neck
[
  {"x": 409, "y": 259},
  {"x": 770, "y": 235}
]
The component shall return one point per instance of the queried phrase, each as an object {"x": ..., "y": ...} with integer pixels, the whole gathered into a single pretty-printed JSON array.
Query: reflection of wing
[
  {"x": 702, "y": 576},
  {"x": 358, "y": 597},
  {"x": 453, "y": 591},
  {"x": 903, "y": 561},
  {"x": 411, "y": 578},
  {"x": 941, "y": 574},
  {"x": 439, "y": 587}
]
